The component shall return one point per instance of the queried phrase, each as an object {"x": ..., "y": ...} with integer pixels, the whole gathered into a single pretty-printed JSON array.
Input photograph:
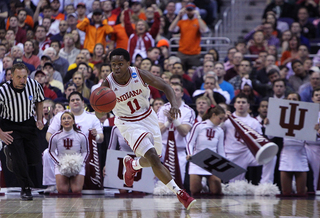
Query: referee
[{"x": 21, "y": 99}]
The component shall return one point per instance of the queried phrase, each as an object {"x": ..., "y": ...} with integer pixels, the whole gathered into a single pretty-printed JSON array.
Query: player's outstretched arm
[{"x": 160, "y": 84}]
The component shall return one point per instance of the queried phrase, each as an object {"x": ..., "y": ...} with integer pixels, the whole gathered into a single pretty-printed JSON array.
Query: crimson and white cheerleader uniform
[
  {"x": 204, "y": 135},
  {"x": 68, "y": 142},
  {"x": 293, "y": 157},
  {"x": 84, "y": 122},
  {"x": 136, "y": 120}
]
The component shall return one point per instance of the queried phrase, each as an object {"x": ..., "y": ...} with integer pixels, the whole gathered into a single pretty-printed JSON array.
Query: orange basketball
[{"x": 103, "y": 99}]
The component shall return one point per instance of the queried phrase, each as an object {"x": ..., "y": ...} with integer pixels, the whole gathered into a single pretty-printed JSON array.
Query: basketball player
[
  {"x": 236, "y": 149},
  {"x": 84, "y": 121},
  {"x": 137, "y": 122},
  {"x": 313, "y": 148},
  {"x": 206, "y": 134},
  {"x": 78, "y": 144},
  {"x": 181, "y": 127}
]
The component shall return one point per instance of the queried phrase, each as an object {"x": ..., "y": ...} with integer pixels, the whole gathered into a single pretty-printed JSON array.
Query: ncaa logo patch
[
  {"x": 30, "y": 97},
  {"x": 134, "y": 75}
]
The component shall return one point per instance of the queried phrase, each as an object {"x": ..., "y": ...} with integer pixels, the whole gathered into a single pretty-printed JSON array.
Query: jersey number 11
[{"x": 135, "y": 101}]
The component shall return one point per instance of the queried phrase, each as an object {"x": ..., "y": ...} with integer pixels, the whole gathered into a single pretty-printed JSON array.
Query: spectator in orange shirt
[
  {"x": 22, "y": 16},
  {"x": 190, "y": 30},
  {"x": 107, "y": 12},
  {"x": 55, "y": 5},
  {"x": 96, "y": 30},
  {"x": 19, "y": 6},
  {"x": 136, "y": 8},
  {"x": 119, "y": 37}
]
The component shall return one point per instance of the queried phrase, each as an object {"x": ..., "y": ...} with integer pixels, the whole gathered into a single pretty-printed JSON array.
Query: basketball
[{"x": 103, "y": 99}]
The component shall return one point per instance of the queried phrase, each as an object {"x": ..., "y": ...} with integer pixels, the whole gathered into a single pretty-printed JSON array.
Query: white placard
[
  {"x": 292, "y": 119},
  {"x": 144, "y": 180}
]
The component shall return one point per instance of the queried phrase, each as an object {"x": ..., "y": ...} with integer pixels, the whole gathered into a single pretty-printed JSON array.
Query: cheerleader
[
  {"x": 67, "y": 143},
  {"x": 293, "y": 162},
  {"x": 206, "y": 134}
]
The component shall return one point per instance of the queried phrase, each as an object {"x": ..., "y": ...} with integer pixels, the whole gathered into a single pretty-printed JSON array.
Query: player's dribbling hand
[
  {"x": 175, "y": 112},
  {"x": 40, "y": 124}
]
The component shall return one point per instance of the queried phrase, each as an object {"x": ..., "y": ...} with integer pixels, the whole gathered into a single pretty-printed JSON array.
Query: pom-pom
[
  {"x": 267, "y": 189},
  {"x": 245, "y": 188},
  {"x": 70, "y": 164},
  {"x": 238, "y": 187}
]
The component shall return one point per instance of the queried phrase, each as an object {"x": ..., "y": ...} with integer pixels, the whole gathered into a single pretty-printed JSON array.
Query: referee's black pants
[{"x": 24, "y": 149}]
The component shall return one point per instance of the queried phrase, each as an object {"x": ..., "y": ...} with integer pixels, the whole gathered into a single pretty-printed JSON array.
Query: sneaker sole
[
  {"x": 124, "y": 172},
  {"x": 191, "y": 203}
]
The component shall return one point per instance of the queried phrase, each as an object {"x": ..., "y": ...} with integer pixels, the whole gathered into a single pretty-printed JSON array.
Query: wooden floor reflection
[{"x": 153, "y": 206}]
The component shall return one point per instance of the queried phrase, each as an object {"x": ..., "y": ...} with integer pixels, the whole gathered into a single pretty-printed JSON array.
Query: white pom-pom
[
  {"x": 238, "y": 188},
  {"x": 267, "y": 189},
  {"x": 70, "y": 164},
  {"x": 161, "y": 189},
  {"x": 245, "y": 188}
]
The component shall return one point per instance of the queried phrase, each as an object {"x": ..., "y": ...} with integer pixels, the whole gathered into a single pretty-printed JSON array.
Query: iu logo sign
[
  {"x": 216, "y": 164},
  {"x": 292, "y": 119},
  {"x": 210, "y": 134},
  {"x": 67, "y": 143},
  {"x": 143, "y": 181},
  {"x": 291, "y": 125}
]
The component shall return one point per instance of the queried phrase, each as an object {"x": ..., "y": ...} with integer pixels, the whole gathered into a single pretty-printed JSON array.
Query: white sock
[
  {"x": 136, "y": 165},
  {"x": 173, "y": 186}
]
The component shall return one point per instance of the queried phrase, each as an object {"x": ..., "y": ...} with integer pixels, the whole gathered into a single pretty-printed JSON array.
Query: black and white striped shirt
[{"x": 19, "y": 105}]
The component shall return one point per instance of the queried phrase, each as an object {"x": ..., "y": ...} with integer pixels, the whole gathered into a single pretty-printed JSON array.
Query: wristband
[
  {"x": 98, "y": 137},
  {"x": 167, "y": 124},
  {"x": 176, "y": 123}
]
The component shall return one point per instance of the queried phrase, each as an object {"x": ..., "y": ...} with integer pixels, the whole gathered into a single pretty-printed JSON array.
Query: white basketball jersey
[{"x": 132, "y": 97}]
